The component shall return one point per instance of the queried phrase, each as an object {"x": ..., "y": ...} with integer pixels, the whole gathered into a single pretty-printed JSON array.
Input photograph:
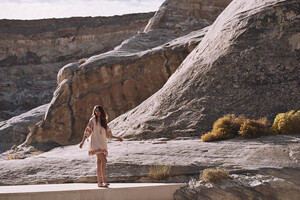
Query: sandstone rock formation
[
  {"x": 242, "y": 187},
  {"x": 15, "y": 130},
  {"x": 180, "y": 15},
  {"x": 121, "y": 79},
  {"x": 24, "y": 87},
  {"x": 247, "y": 63},
  {"x": 130, "y": 161},
  {"x": 32, "y": 52}
]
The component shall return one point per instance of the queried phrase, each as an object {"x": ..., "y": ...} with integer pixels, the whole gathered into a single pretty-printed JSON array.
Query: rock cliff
[
  {"x": 247, "y": 63},
  {"x": 121, "y": 79},
  {"x": 33, "y": 51}
]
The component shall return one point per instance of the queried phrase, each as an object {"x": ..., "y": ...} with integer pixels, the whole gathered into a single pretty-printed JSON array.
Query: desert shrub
[
  {"x": 160, "y": 172},
  {"x": 237, "y": 122},
  {"x": 214, "y": 175},
  {"x": 255, "y": 128},
  {"x": 208, "y": 137},
  {"x": 82, "y": 60},
  {"x": 226, "y": 127},
  {"x": 287, "y": 123}
]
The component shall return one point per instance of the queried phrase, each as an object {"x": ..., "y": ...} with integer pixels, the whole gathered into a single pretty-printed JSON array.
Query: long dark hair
[{"x": 103, "y": 116}]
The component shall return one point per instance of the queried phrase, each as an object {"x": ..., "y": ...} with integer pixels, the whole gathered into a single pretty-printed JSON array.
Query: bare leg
[
  {"x": 103, "y": 163},
  {"x": 99, "y": 169}
]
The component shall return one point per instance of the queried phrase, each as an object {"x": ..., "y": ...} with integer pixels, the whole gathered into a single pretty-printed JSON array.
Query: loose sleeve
[
  {"x": 108, "y": 133},
  {"x": 89, "y": 129}
]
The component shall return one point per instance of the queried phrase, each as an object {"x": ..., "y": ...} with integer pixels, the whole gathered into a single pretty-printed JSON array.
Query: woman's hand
[{"x": 81, "y": 144}]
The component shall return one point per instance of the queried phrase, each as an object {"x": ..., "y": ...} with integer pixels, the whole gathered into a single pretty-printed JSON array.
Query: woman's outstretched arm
[{"x": 109, "y": 135}]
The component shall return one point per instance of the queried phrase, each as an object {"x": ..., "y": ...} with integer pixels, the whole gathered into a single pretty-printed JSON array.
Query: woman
[{"x": 98, "y": 130}]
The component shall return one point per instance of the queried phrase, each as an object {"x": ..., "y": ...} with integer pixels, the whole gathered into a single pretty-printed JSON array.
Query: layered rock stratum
[
  {"x": 33, "y": 51},
  {"x": 121, "y": 79},
  {"x": 247, "y": 63}
]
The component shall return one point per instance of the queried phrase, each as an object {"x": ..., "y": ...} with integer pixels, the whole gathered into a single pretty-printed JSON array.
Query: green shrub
[
  {"x": 214, "y": 175},
  {"x": 255, "y": 128},
  {"x": 224, "y": 128},
  {"x": 287, "y": 123},
  {"x": 160, "y": 172}
]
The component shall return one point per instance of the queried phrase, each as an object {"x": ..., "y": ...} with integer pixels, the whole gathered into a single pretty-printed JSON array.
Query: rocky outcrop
[
  {"x": 120, "y": 79},
  {"x": 121, "y": 83},
  {"x": 247, "y": 63},
  {"x": 179, "y": 15},
  {"x": 273, "y": 156},
  {"x": 242, "y": 187},
  {"x": 32, "y": 52},
  {"x": 15, "y": 130}
]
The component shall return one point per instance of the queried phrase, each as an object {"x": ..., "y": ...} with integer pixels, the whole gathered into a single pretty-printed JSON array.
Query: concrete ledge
[{"x": 90, "y": 191}]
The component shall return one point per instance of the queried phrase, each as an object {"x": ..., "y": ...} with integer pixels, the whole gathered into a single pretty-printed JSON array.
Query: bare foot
[{"x": 103, "y": 185}]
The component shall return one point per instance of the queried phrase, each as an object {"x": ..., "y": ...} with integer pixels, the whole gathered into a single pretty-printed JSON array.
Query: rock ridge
[
  {"x": 244, "y": 65},
  {"x": 122, "y": 78}
]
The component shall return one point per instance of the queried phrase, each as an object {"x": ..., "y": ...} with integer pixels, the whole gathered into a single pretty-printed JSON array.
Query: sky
[{"x": 40, "y": 9}]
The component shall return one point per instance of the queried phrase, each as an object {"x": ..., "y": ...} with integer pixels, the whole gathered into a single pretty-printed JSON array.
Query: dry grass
[
  {"x": 287, "y": 123},
  {"x": 224, "y": 128},
  {"x": 214, "y": 175},
  {"x": 255, "y": 128},
  {"x": 11, "y": 157},
  {"x": 82, "y": 60},
  {"x": 160, "y": 172},
  {"x": 37, "y": 153}
]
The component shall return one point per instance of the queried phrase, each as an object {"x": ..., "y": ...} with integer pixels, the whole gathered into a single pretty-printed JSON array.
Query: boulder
[
  {"x": 247, "y": 63},
  {"x": 121, "y": 79}
]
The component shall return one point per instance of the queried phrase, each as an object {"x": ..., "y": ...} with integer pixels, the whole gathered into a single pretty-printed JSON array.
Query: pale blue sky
[{"x": 39, "y": 9}]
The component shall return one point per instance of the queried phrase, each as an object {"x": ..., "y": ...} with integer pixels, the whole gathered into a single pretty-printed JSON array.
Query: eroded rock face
[
  {"x": 120, "y": 79},
  {"x": 180, "y": 14},
  {"x": 247, "y": 63},
  {"x": 242, "y": 187},
  {"x": 15, "y": 130},
  {"x": 56, "y": 40},
  {"x": 24, "y": 87},
  {"x": 33, "y": 51}
]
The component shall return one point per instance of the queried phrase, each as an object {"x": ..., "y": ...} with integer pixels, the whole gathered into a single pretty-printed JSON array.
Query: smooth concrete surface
[{"x": 90, "y": 191}]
